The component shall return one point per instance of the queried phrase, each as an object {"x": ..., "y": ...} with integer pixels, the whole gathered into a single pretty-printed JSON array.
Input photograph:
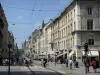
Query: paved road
[
  {"x": 14, "y": 70},
  {"x": 37, "y": 69},
  {"x": 61, "y": 68}
]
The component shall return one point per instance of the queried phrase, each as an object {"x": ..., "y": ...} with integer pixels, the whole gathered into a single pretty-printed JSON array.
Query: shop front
[{"x": 92, "y": 55}]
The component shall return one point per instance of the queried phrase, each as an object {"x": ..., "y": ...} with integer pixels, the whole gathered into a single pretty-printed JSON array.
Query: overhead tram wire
[
  {"x": 14, "y": 23},
  {"x": 34, "y": 4},
  {"x": 31, "y": 9}
]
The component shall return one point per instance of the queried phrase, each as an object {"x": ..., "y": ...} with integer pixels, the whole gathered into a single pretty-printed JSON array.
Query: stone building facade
[
  {"x": 3, "y": 35},
  {"x": 3, "y": 30},
  {"x": 78, "y": 23}
]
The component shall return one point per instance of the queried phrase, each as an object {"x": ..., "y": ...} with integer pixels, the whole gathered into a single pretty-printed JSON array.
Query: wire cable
[{"x": 30, "y": 9}]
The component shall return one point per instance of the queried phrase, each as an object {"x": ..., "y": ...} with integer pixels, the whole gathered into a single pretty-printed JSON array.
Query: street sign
[
  {"x": 9, "y": 45},
  {"x": 78, "y": 46}
]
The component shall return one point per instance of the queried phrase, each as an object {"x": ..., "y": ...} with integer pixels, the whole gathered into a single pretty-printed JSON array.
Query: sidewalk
[
  {"x": 61, "y": 68},
  {"x": 66, "y": 71}
]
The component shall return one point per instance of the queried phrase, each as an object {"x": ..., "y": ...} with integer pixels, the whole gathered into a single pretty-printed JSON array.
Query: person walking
[
  {"x": 70, "y": 64},
  {"x": 94, "y": 65},
  {"x": 87, "y": 64},
  {"x": 66, "y": 62},
  {"x": 76, "y": 64},
  {"x": 97, "y": 65},
  {"x": 44, "y": 62}
]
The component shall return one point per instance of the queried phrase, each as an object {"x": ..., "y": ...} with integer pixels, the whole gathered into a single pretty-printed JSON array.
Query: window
[
  {"x": 89, "y": 11},
  {"x": 89, "y": 24},
  {"x": 64, "y": 44},
  {"x": 91, "y": 41},
  {"x": 71, "y": 15},
  {"x": 74, "y": 26},
  {"x": 73, "y": 41},
  {"x": 74, "y": 12},
  {"x": 66, "y": 19},
  {"x": 71, "y": 28},
  {"x": 62, "y": 32},
  {"x": 66, "y": 31}
]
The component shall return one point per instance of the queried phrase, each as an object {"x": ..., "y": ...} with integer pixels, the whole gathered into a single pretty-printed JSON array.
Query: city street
[
  {"x": 49, "y": 37},
  {"x": 61, "y": 68},
  {"x": 37, "y": 69},
  {"x": 32, "y": 70}
]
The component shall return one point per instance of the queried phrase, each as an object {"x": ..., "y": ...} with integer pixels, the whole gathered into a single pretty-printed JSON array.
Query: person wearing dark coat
[{"x": 97, "y": 64}]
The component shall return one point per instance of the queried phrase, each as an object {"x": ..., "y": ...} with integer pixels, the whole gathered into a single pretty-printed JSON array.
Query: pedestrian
[
  {"x": 87, "y": 64},
  {"x": 94, "y": 65},
  {"x": 70, "y": 64},
  {"x": 97, "y": 65},
  {"x": 66, "y": 62},
  {"x": 44, "y": 62},
  {"x": 51, "y": 60},
  {"x": 76, "y": 64}
]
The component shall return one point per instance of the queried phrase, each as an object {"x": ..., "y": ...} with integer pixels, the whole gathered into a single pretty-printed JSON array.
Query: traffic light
[{"x": 86, "y": 47}]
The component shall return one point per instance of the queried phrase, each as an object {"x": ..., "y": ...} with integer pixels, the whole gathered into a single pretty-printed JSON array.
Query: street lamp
[{"x": 9, "y": 46}]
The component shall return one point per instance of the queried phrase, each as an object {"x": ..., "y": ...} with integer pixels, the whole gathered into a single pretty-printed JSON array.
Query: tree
[{"x": 21, "y": 51}]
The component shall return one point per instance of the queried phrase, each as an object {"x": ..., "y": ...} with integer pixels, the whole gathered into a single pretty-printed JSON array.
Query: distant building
[{"x": 11, "y": 39}]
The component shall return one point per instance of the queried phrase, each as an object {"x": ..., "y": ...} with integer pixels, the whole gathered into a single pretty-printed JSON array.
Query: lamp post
[{"x": 9, "y": 46}]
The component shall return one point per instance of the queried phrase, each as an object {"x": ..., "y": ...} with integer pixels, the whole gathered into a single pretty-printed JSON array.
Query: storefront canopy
[
  {"x": 62, "y": 54},
  {"x": 92, "y": 53}
]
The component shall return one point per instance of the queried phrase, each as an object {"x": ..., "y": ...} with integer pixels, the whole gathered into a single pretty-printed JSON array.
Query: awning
[
  {"x": 62, "y": 54},
  {"x": 72, "y": 52},
  {"x": 92, "y": 53}
]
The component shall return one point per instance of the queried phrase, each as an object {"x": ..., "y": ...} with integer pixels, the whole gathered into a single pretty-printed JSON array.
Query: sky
[{"x": 24, "y": 16}]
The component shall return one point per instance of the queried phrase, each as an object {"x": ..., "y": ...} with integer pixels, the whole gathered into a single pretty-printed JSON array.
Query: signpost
[{"x": 9, "y": 46}]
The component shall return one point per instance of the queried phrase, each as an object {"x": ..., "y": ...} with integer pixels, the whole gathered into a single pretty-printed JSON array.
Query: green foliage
[{"x": 21, "y": 51}]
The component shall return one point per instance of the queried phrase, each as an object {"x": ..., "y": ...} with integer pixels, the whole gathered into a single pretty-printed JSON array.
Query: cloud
[{"x": 19, "y": 17}]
